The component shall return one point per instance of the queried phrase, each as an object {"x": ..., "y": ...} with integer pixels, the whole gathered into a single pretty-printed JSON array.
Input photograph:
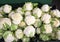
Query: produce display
[{"x": 26, "y": 21}]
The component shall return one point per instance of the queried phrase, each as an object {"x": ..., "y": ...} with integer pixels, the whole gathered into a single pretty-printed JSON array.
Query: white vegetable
[
  {"x": 37, "y": 23},
  {"x": 28, "y": 6},
  {"x": 3, "y": 21},
  {"x": 17, "y": 18},
  {"x": 8, "y": 37},
  {"x": 58, "y": 34},
  {"x": 56, "y": 13},
  {"x": 48, "y": 28},
  {"x": 11, "y": 13},
  {"x": 30, "y": 20},
  {"x": 19, "y": 10},
  {"x": 29, "y": 31},
  {"x": 22, "y": 24},
  {"x": 19, "y": 34},
  {"x": 27, "y": 13},
  {"x": 37, "y": 12},
  {"x": 45, "y": 8},
  {"x": 7, "y": 8},
  {"x": 46, "y": 18},
  {"x": 56, "y": 23}
]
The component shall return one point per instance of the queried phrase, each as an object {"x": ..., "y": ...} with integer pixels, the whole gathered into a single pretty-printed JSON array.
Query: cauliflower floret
[
  {"x": 56, "y": 13},
  {"x": 29, "y": 31},
  {"x": 27, "y": 13},
  {"x": 8, "y": 37},
  {"x": 38, "y": 31},
  {"x": 46, "y": 18},
  {"x": 58, "y": 34},
  {"x": 17, "y": 18},
  {"x": 48, "y": 28},
  {"x": 30, "y": 20},
  {"x": 11, "y": 13},
  {"x": 7, "y": 8},
  {"x": 19, "y": 10},
  {"x": 37, "y": 12},
  {"x": 19, "y": 34},
  {"x": 28, "y": 6},
  {"x": 56, "y": 23},
  {"x": 22, "y": 24},
  {"x": 45, "y": 8},
  {"x": 3, "y": 21}
]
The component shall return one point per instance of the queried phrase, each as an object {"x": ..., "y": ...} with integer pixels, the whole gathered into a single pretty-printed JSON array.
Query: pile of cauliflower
[{"x": 24, "y": 22}]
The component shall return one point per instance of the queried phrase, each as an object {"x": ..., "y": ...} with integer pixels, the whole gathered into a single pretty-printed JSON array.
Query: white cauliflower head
[
  {"x": 37, "y": 12},
  {"x": 56, "y": 23},
  {"x": 3, "y": 21},
  {"x": 29, "y": 31},
  {"x": 27, "y": 13},
  {"x": 8, "y": 36},
  {"x": 19, "y": 34},
  {"x": 28, "y": 6},
  {"x": 7, "y": 8},
  {"x": 30, "y": 20},
  {"x": 48, "y": 28},
  {"x": 45, "y": 8},
  {"x": 19, "y": 10},
  {"x": 56, "y": 13},
  {"x": 17, "y": 18},
  {"x": 46, "y": 18}
]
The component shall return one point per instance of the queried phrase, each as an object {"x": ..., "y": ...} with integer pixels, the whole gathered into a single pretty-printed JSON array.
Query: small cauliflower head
[
  {"x": 45, "y": 8},
  {"x": 29, "y": 31},
  {"x": 56, "y": 23},
  {"x": 19, "y": 10},
  {"x": 55, "y": 13},
  {"x": 22, "y": 24},
  {"x": 37, "y": 12},
  {"x": 48, "y": 28},
  {"x": 37, "y": 23},
  {"x": 8, "y": 36},
  {"x": 58, "y": 34},
  {"x": 19, "y": 34},
  {"x": 46, "y": 18},
  {"x": 27, "y": 13},
  {"x": 30, "y": 20},
  {"x": 7, "y": 8},
  {"x": 28, "y": 6},
  {"x": 3, "y": 21},
  {"x": 16, "y": 18}
]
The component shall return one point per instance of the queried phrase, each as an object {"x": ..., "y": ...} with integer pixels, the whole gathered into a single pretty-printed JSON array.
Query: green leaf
[
  {"x": 44, "y": 37},
  {"x": 13, "y": 27}
]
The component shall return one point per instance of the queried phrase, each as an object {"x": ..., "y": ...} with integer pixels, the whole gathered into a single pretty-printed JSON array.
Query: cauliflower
[
  {"x": 19, "y": 34},
  {"x": 19, "y": 10},
  {"x": 37, "y": 23},
  {"x": 30, "y": 20},
  {"x": 56, "y": 13},
  {"x": 3, "y": 21},
  {"x": 17, "y": 18},
  {"x": 8, "y": 36},
  {"x": 48, "y": 28},
  {"x": 46, "y": 18},
  {"x": 22, "y": 24},
  {"x": 7, "y": 8},
  {"x": 56, "y": 23},
  {"x": 45, "y": 8},
  {"x": 37, "y": 12},
  {"x": 29, "y": 31},
  {"x": 28, "y": 6},
  {"x": 27, "y": 13}
]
